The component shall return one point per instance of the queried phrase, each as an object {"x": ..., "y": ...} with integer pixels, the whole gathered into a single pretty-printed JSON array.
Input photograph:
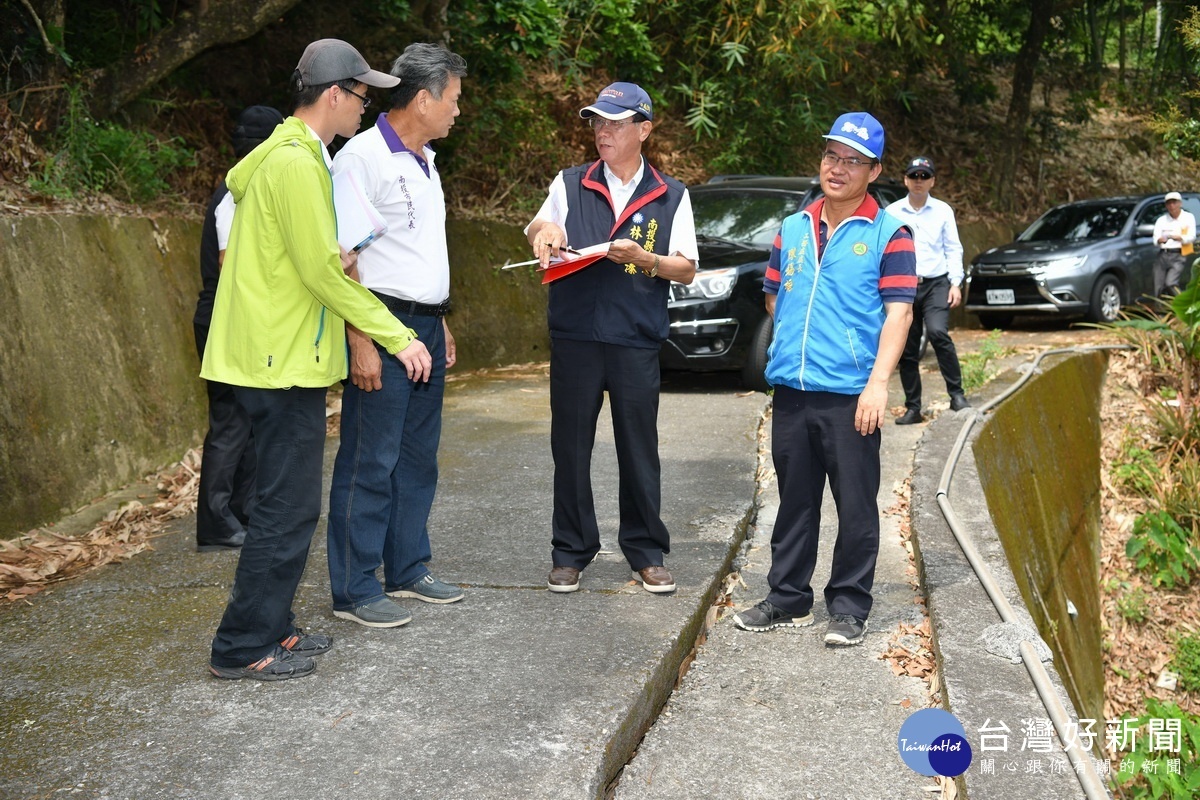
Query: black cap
[
  {"x": 254, "y": 125},
  {"x": 919, "y": 164}
]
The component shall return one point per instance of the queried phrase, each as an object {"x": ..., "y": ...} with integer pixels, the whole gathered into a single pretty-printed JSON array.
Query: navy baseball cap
[
  {"x": 620, "y": 101},
  {"x": 859, "y": 130},
  {"x": 919, "y": 164}
]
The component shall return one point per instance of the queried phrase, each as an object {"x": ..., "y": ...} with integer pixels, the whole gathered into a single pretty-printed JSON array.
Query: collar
[
  {"x": 868, "y": 209},
  {"x": 636, "y": 181},
  {"x": 396, "y": 144},
  {"x": 324, "y": 149}
]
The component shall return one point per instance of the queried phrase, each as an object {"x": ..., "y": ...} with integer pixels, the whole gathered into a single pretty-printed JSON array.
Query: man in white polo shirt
[
  {"x": 386, "y": 470},
  {"x": 939, "y": 282},
  {"x": 1174, "y": 233}
]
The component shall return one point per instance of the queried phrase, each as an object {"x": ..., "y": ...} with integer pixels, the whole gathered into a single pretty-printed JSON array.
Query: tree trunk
[
  {"x": 1013, "y": 135},
  {"x": 193, "y": 32}
]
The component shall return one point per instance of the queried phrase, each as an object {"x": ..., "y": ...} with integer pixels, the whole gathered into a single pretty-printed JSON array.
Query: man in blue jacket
[{"x": 840, "y": 285}]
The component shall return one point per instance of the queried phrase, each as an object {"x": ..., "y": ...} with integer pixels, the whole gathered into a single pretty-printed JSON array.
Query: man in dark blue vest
[{"x": 607, "y": 323}]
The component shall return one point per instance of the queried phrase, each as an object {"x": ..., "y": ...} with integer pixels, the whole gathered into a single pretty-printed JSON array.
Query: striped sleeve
[
  {"x": 771, "y": 282},
  {"x": 898, "y": 269}
]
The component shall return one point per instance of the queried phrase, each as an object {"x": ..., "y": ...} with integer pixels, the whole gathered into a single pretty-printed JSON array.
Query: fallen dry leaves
[
  {"x": 34, "y": 560},
  {"x": 910, "y": 648},
  {"x": 1136, "y": 652}
]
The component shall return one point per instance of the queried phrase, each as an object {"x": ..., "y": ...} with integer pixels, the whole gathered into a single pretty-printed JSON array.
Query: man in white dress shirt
[
  {"x": 939, "y": 287},
  {"x": 1174, "y": 233}
]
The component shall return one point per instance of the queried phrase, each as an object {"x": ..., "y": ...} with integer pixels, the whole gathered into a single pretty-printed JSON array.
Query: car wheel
[
  {"x": 991, "y": 320},
  {"x": 1106, "y": 300},
  {"x": 754, "y": 371}
]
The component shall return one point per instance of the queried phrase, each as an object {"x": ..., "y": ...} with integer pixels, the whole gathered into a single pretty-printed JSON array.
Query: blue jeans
[
  {"x": 385, "y": 476},
  {"x": 289, "y": 441}
]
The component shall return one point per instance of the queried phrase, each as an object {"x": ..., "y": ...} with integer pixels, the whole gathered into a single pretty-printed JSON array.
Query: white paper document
[{"x": 358, "y": 223}]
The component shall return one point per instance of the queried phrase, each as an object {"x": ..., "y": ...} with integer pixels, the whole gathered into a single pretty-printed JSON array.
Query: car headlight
[
  {"x": 709, "y": 284},
  {"x": 1057, "y": 266}
]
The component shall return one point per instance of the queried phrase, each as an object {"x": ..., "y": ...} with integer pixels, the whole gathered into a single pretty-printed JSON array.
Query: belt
[
  {"x": 943, "y": 276},
  {"x": 412, "y": 307}
]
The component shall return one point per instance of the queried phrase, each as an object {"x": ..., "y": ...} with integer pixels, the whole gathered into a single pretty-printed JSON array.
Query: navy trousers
[
  {"x": 289, "y": 439},
  {"x": 813, "y": 439},
  {"x": 580, "y": 373}
]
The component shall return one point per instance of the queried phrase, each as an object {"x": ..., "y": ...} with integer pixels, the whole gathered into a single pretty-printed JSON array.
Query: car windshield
[
  {"x": 751, "y": 218},
  {"x": 1078, "y": 222}
]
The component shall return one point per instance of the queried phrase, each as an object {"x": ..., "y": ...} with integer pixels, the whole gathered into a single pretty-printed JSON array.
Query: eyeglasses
[
  {"x": 596, "y": 123},
  {"x": 920, "y": 176},
  {"x": 366, "y": 101},
  {"x": 831, "y": 159}
]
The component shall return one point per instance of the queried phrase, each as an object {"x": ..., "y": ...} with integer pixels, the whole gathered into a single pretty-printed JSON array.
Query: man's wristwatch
[{"x": 653, "y": 272}]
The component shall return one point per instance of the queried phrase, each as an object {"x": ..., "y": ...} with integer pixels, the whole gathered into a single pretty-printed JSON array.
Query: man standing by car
[
  {"x": 607, "y": 324},
  {"x": 939, "y": 280},
  {"x": 1174, "y": 233},
  {"x": 386, "y": 472},
  {"x": 840, "y": 284}
]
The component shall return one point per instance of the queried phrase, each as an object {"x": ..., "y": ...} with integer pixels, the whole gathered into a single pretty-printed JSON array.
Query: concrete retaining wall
[{"x": 98, "y": 357}]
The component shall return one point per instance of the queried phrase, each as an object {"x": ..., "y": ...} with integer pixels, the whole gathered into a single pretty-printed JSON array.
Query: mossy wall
[
  {"x": 1038, "y": 458},
  {"x": 98, "y": 357}
]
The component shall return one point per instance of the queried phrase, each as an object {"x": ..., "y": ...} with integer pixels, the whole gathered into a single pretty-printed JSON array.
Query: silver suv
[{"x": 1091, "y": 258}]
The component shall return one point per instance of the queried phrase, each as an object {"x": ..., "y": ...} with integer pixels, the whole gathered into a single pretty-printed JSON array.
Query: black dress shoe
[
  {"x": 229, "y": 543},
  {"x": 910, "y": 417},
  {"x": 958, "y": 402}
]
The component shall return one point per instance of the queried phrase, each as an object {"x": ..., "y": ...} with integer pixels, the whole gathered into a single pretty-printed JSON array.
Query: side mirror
[{"x": 1145, "y": 229}]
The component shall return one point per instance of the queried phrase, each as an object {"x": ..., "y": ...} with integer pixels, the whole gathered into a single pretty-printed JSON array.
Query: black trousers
[
  {"x": 580, "y": 373},
  {"x": 289, "y": 437},
  {"x": 226, "y": 493},
  {"x": 813, "y": 438},
  {"x": 931, "y": 309}
]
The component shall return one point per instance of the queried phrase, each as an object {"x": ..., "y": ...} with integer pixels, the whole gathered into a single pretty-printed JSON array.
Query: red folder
[{"x": 561, "y": 269}]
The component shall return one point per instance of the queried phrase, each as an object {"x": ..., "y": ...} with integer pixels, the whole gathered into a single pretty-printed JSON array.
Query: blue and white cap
[
  {"x": 859, "y": 130},
  {"x": 620, "y": 101}
]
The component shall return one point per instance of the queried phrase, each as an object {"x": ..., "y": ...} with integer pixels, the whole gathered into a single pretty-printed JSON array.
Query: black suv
[
  {"x": 1091, "y": 257},
  {"x": 720, "y": 321}
]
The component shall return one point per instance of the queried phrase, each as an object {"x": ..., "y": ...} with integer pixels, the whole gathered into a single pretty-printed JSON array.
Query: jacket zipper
[{"x": 320, "y": 333}]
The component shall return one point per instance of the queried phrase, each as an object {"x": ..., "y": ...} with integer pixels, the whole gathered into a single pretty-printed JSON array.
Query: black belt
[
  {"x": 944, "y": 275},
  {"x": 398, "y": 306}
]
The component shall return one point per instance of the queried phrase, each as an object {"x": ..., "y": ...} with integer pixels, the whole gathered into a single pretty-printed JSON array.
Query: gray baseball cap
[{"x": 328, "y": 60}]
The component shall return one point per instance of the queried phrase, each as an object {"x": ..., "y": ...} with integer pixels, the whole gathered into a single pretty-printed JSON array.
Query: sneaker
[
  {"x": 381, "y": 613},
  {"x": 563, "y": 579},
  {"x": 765, "y": 615},
  {"x": 958, "y": 402},
  {"x": 429, "y": 589},
  {"x": 655, "y": 579},
  {"x": 278, "y": 665},
  {"x": 844, "y": 630},
  {"x": 307, "y": 644},
  {"x": 910, "y": 417}
]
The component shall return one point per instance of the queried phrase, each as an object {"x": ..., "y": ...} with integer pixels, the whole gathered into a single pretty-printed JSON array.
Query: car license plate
[{"x": 1000, "y": 297}]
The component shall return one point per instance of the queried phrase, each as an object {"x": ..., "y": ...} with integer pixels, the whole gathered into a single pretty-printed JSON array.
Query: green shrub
[
  {"x": 1186, "y": 662},
  {"x": 1136, "y": 470},
  {"x": 1162, "y": 548},
  {"x": 975, "y": 372},
  {"x": 1153, "y": 771},
  {"x": 1132, "y": 603},
  {"x": 105, "y": 157}
]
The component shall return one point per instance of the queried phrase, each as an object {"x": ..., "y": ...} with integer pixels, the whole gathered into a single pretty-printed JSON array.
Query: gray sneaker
[
  {"x": 844, "y": 630},
  {"x": 381, "y": 613},
  {"x": 429, "y": 589}
]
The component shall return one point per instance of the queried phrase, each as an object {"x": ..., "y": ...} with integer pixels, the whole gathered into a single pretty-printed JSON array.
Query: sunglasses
[{"x": 920, "y": 176}]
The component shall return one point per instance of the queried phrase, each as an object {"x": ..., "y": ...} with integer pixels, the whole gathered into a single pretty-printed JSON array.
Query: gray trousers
[{"x": 1168, "y": 272}]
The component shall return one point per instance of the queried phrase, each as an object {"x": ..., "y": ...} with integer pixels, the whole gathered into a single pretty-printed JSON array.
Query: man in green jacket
[{"x": 278, "y": 336}]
